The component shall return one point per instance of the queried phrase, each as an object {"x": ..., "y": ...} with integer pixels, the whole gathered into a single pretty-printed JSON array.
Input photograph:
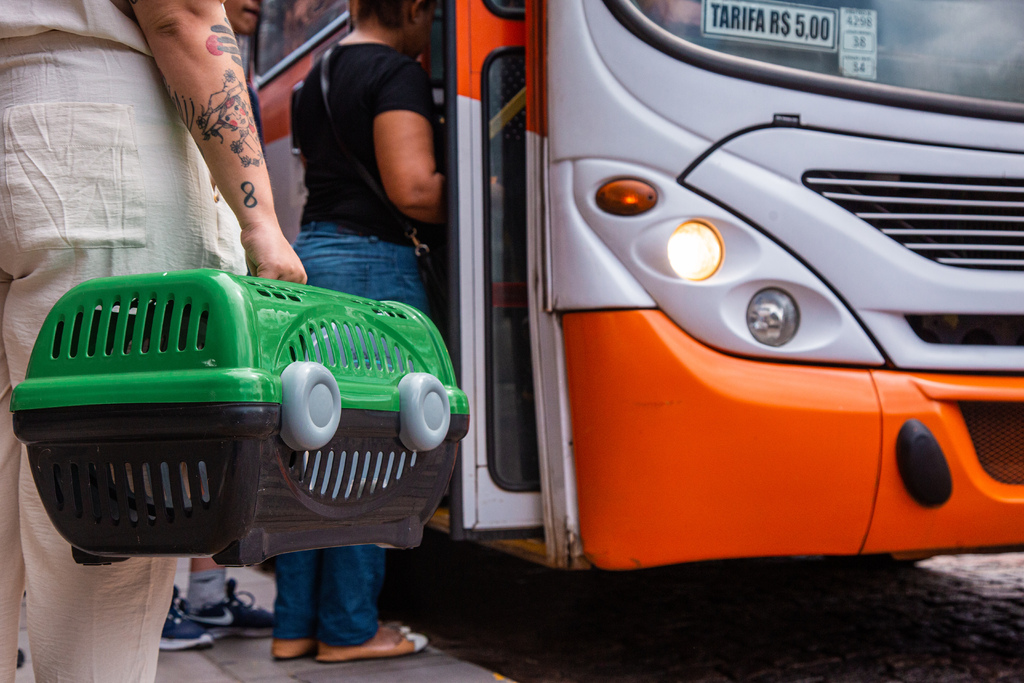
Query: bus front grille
[
  {"x": 966, "y": 222},
  {"x": 997, "y": 432}
]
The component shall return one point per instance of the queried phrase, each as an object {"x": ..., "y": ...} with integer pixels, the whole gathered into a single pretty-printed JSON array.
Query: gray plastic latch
[
  {"x": 310, "y": 406},
  {"x": 425, "y": 413}
]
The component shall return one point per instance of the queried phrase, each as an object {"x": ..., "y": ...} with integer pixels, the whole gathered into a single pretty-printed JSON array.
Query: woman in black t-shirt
[{"x": 351, "y": 241}]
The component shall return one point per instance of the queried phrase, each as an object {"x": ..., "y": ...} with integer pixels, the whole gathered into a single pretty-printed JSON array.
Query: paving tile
[
  {"x": 191, "y": 666},
  {"x": 428, "y": 667}
]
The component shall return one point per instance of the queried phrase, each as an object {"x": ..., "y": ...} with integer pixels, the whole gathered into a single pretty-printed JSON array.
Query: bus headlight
[
  {"x": 695, "y": 251},
  {"x": 773, "y": 317}
]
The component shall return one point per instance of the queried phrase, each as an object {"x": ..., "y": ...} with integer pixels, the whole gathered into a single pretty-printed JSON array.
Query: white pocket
[{"x": 73, "y": 176}]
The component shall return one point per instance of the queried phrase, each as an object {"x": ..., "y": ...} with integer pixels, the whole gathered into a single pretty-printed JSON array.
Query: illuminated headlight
[
  {"x": 695, "y": 251},
  {"x": 773, "y": 317}
]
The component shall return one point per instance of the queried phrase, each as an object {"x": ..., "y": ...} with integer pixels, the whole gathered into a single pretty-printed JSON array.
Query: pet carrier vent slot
[
  {"x": 204, "y": 318},
  {"x": 115, "y": 312},
  {"x": 129, "y": 480},
  {"x": 76, "y": 333},
  {"x": 328, "y": 347},
  {"x": 399, "y": 363},
  {"x": 76, "y": 490},
  {"x": 147, "y": 487},
  {"x": 129, "y": 333},
  {"x": 305, "y": 350},
  {"x": 365, "y": 475},
  {"x": 186, "y": 315},
  {"x": 328, "y": 471},
  {"x": 352, "y": 345},
  {"x": 186, "y": 489},
  {"x": 364, "y": 348},
  {"x": 58, "y": 335},
  {"x": 401, "y": 467},
  {"x": 316, "y": 345},
  {"x": 412, "y": 368},
  {"x": 387, "y": 354},
  {"x": 275, "y": 291},
  {"x": 57, "y": 490},
  {"x": 340, "y": 477},
  {"x": 165, "y": 485},
  {"x": 412, "y": 460},
  {"x": 387, "y": 473},
  {"x": 352, "y": 474},
  {"x": 94, "y": 330},
  {"x": 94, "y": 492},
  {"x": 342, "y": 353},
  {"x": 204, "y": 484},
  {"x": 376, "y": 351},
  {"x": 376, "y": 472},
  {"x": 165, "y": 329},
  {"x": 147, "y": 327},
  {"x": 316, "y": 470},
  {"x": 115, "y": 512}
]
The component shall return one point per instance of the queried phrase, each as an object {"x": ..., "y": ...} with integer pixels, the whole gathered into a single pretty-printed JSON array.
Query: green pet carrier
[{"x": 199, "y": 413}]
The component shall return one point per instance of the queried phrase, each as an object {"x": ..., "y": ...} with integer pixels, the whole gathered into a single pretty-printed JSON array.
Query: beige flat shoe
[
  {"x": 292, "y": 648},
  {"x": 388, "y": 642}
]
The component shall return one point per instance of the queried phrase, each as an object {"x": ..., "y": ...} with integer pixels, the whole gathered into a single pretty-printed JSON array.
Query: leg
[
  {"x": 12, "y": 566},
  {"x": 85, "y": 623},
  {"x": 298, "y": 578},
  {"x": 99, "y": 181},
  {"x": 349, "y": 588},
  {"x": 352, "y": 577}
]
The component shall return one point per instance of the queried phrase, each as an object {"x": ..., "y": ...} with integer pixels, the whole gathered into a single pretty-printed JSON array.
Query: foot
[
  {"x": 233, "y": 617},
  {"x": 181, "y": 633},
  {"x": 292, "y": 648},
  {"x": 388, "y": 642}
]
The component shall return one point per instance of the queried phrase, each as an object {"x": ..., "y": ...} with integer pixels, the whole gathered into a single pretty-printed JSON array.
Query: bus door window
[
  {"x": 511, "y": 430},
  {"x": 287, "y": 25}
]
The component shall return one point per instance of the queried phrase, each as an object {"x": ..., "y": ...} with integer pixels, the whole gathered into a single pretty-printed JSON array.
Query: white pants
[{"x": 98, "y": 177}]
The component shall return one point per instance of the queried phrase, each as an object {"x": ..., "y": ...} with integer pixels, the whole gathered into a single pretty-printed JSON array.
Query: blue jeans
[{"x": 331, "y": 594}]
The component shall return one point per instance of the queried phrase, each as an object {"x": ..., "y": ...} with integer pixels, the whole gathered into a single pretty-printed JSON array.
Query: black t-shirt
[{"x": 366, "y": 80}]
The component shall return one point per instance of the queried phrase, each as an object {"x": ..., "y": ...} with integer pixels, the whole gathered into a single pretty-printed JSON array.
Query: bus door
[{"x": 496, "y": 486}]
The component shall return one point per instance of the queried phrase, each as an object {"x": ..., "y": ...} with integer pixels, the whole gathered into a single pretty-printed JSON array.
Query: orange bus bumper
[{"x": 684, "y": 453}]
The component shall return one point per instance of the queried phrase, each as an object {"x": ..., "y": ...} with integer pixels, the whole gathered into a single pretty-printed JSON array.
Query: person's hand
[{"x": 268, "y": 254}]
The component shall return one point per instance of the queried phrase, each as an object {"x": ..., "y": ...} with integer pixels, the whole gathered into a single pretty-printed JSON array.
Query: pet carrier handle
[
  {"x": 310, "y": 406},
  {"x": 425, "y": 412}
]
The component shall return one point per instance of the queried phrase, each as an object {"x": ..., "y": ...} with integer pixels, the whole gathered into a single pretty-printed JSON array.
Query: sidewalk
[{"x": 236, "y": 660}]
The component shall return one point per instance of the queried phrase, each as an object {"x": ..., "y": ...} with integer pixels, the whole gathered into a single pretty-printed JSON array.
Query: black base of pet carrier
[{"x": 215, "y": 479}]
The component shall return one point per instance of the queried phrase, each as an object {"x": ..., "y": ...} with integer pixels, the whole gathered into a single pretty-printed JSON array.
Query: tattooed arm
[{"x": 196, "y": 51}]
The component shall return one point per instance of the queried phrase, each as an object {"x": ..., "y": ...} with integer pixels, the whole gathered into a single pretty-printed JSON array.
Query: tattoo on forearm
[
  {"x": 227, "y": 116},
  {"x": 222, "y": 41},
  {"x": 185, "y": 106},
  {"x": 250, "y": 195}
]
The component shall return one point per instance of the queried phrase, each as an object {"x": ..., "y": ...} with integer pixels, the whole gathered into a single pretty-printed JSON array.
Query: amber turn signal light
[{"x": 627, "y": 197}]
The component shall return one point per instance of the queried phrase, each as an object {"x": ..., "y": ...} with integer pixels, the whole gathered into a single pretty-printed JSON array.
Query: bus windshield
[{"x": 972, "y": 48}]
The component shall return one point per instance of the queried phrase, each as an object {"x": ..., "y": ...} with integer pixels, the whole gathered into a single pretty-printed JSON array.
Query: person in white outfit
[{"x": 109, "y": 108}]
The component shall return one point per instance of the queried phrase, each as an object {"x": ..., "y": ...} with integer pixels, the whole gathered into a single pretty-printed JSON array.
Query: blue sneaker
[
  {"x": 232, "y": 617},
  {"x": 180, "y": 632}
]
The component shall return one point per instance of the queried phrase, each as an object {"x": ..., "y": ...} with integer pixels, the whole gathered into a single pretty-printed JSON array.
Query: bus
[{"x": 729, "y": 278}]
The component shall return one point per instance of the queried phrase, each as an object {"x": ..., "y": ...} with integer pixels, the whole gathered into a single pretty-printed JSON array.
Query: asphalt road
[{"x": 808, "y": 619}]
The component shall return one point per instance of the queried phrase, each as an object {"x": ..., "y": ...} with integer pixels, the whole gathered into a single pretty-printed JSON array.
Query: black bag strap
[{"x": 408, "y": 228}]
